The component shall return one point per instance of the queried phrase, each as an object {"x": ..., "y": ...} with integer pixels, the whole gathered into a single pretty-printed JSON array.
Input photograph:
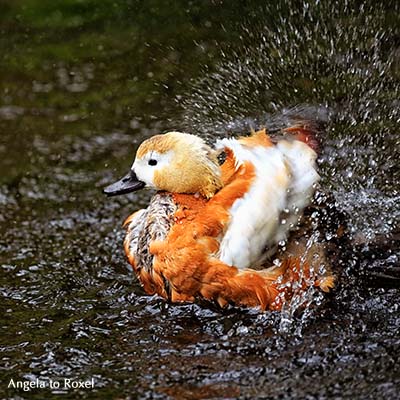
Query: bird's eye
[{"x": 152, "y": 162}]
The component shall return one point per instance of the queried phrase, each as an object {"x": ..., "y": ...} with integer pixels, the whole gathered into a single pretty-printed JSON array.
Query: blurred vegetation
[{"x": 75, "y": 54}]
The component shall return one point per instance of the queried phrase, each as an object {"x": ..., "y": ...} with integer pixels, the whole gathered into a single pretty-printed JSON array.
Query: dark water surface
[{"x": 82, "y": 82}]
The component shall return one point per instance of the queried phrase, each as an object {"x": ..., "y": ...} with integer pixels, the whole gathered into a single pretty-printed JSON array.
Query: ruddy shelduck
[{"x": 213, "y": 227}]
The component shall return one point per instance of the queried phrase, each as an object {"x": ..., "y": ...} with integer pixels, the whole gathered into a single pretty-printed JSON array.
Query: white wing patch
[
  {"x": 301, "y": 161},
  {"x": 285, "y": 176}
]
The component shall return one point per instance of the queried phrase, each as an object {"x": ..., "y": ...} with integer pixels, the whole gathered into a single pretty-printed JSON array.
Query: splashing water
[
  {"x": 70, "y": 309},
  {"x": 341, "y": 76},
  {"x": 301, "y": 59},
  {"x": 302, "y": 299}
]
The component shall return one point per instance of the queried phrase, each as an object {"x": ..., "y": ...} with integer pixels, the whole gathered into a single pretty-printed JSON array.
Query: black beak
[{"x": 129, "y": 183}]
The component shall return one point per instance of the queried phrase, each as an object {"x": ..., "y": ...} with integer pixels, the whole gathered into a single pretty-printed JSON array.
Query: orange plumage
[{"x": 180, "y": 246}]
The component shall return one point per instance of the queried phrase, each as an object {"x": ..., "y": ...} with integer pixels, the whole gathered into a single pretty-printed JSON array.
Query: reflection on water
[{"x": 70, "y": 121}]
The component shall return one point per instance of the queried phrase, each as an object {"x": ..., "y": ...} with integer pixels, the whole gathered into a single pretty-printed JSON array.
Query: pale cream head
[{"x": 178, "y": 163}]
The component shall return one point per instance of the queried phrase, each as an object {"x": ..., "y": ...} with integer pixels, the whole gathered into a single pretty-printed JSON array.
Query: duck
[{"x": 225, "y": 222}]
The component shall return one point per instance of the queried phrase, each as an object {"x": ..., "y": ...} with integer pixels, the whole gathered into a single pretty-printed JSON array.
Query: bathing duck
[{"x": 225, "y": 222}]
